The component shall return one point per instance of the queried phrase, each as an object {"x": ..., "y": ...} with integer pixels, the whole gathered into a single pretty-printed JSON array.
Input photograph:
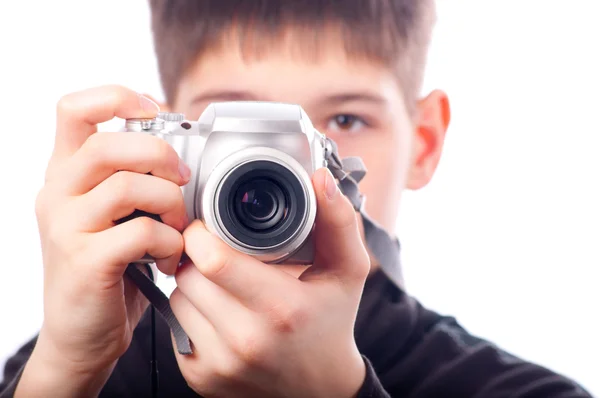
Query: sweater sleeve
[
  {"x": 14, "y": 368},
  {"x": 449, "y": 361},
  {"x": 371, "y": 387},
  {"x": 415, "y": 352}
]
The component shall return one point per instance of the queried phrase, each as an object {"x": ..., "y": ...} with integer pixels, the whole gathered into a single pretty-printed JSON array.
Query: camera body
[{"x": 252, "y": 164}]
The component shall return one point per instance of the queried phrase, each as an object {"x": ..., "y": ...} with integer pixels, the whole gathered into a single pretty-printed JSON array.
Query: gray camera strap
[
  {"x": 349, "y": 172},
  {"x": 158, "y": 299},
  {"x": 386, "y": 250}
]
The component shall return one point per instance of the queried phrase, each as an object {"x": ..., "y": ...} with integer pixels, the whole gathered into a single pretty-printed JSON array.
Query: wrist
[
  {"x": 357, "y": 372},
  {"x": 48, "y": 373},
  {"x": 349, "y": 378}
]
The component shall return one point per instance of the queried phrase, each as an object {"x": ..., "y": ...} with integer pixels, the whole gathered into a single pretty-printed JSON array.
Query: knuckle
[
  {"x": 146, "y": 225},
  {"x": 118, "y": 95},
  {"x": 175, "y": 299},
  {"x": 112, "y": 93},
  {"x": 164, "y": 154},
  {"x": 193, "y": 377},
  {"x": 146, "y": 229},
  {"x": 161, "y": 150},
  {"x": 96, "y": 149},
  {"x": 197, "y": 382},
  {"x": 362, "y": 267},
  {"x": 289, "y": 318},
  {"x": 117, "y": 91},
  {"x": 231, "y": 368},
  {"x": 96, "y": 142},
  {"x": 67, "y": 105},
  {"x": 41, "y": 204},
  {"x": 215, "y": 264},
  {"x": 191, "y": 380},
  {"x": 121, "y": 185},
  {"x": 347, "y": 216},
  {"x": 250, "y": 349},
  {"x": 174, "y": 194}
]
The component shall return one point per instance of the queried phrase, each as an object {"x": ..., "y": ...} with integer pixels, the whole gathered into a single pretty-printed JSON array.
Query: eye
[{"x": 346, "y": 123}]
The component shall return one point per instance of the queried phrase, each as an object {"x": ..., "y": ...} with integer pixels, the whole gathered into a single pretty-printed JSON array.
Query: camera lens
[{"x": 259, "y": 204}]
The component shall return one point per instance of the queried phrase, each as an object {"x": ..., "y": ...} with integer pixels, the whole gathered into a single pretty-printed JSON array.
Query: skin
[{"x": 94, "y": 179}]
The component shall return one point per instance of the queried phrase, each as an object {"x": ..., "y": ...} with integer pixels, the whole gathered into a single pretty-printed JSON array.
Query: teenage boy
[{"x": 340, "y": 328}]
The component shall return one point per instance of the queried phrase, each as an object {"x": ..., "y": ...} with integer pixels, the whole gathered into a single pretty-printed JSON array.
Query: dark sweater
[{"x": 409, "y": 351}]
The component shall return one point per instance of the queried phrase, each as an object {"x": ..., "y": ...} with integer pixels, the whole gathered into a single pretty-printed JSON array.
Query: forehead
[{"x": 292, "y": 70}]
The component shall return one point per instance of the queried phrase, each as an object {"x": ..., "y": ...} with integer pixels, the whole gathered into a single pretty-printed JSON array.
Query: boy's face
[{"x": 357, "y": 103}]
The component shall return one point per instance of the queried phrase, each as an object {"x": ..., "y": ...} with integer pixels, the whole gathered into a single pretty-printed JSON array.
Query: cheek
[{"x": 387, "y": 160}]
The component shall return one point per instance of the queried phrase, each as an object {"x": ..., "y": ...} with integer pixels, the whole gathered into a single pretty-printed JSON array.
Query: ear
[
  {"x": 431, "y": 125},
  {"x": 163, "y": 106}
]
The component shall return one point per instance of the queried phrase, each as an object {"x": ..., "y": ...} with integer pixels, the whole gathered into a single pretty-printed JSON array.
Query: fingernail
[
  {"x": 184, "y": 171},
  {"x": 331, "y": 188},
  {"x": 148, "y": 105}
]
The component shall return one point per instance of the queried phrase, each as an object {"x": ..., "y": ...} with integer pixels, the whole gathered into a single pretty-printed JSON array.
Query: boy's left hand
[{"x": 258, "y": 331}]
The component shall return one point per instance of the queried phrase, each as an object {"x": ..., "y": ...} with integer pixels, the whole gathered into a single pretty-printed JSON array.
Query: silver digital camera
[{"x": 251, "y": 165}]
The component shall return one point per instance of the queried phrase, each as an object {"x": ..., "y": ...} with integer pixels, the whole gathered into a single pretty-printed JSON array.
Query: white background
[{"x": 506, "y": 236}]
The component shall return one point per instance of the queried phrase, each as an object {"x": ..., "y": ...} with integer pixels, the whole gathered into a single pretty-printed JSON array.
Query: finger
[
  {"x": 106, "y": 153},
  {"x": 79, "y": 113},
  {"x": 124, "y": 192},
  {"x": 200, "y": 331},
  {"x": 220, "y": 308},
  {"x": 130, "y": 241},
  {"x": 209, "y": 349},
  {"x": 258, "y": 286},
  {"x": 339, "y": 250},
  {"x": 135, "y": 301}
]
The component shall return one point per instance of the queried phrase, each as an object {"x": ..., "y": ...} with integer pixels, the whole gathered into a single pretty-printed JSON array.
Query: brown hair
[{"x": 395, "y": 33}]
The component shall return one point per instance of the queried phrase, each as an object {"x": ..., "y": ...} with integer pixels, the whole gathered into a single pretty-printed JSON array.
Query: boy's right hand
[{"x": 93, "y": 180}]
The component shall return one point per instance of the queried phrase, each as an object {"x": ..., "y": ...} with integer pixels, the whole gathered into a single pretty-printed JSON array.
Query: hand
[
  {"x": 93, "y": 180},
  {"x": 258, "y": 331}
]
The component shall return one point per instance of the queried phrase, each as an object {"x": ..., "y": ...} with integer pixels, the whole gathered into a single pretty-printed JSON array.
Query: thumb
[{"x": 339, "y": 248}]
